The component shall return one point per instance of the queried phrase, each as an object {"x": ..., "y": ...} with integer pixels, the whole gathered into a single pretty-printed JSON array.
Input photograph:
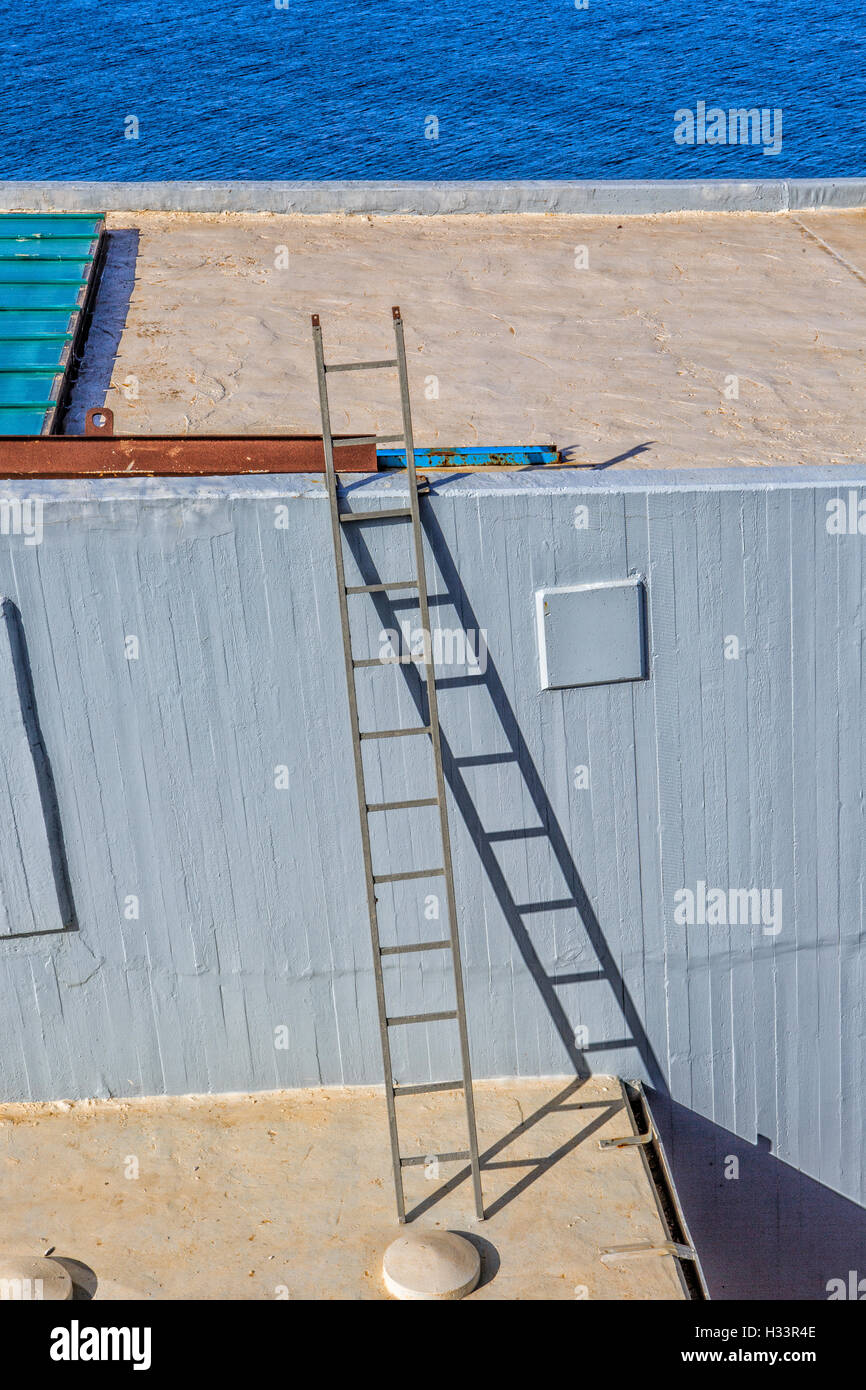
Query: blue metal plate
[{"x": 490, "y": 456}]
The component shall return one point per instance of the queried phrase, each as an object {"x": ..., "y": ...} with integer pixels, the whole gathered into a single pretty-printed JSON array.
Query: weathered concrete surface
[
  {"x": 687, "y": 341},
  {"x": 289, "y": 1194},
  {"x": 619, "y": 196}
]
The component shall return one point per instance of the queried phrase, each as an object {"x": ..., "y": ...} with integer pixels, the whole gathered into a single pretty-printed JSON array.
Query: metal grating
[{"x": 49, "y": 268}]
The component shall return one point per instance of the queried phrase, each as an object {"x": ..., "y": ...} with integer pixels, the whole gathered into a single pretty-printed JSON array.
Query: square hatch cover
[{"x": 591, "y": 634}]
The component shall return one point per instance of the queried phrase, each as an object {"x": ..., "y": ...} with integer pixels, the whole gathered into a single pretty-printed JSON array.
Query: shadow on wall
[
  {"x": 771, "y": 1232},
  {"x": 52, "y": 826},
  {"x": 93, "y": 379},
  {"x": 517, "y": 914}
]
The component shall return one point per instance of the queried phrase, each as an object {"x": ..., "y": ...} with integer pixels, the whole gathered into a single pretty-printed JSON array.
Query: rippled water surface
[{"x": 320, "y": 89}]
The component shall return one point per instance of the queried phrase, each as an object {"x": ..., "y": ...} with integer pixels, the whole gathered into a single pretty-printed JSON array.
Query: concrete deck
[
  {"x": 289, "y": 1195},
  {"x": 202, "y": 326}
]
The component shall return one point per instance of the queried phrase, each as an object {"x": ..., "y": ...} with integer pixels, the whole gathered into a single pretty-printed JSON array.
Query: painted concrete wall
[
  {"x": 179, "y": 656},
  {"x": 421, "y": 196}
]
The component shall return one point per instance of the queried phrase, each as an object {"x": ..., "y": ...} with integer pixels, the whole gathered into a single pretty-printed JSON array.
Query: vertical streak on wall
[{"x": 33, "y": 888}]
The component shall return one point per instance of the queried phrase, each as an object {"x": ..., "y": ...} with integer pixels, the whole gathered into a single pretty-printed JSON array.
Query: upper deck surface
[{"x": 675, "y": 341}]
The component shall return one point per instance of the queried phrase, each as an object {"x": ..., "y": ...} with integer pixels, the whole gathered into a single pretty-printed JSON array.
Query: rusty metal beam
[{"x": 103, "y": 455}]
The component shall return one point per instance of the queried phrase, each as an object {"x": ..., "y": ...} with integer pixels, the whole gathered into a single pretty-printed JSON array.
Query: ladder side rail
[
  {"x": 333, "y": 496},
  {"x": 433, "y": 721}
]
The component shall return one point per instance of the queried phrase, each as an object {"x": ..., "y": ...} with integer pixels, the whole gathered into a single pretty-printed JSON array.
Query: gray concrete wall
[
  {"x": 616, "y": 196},
  {"x": 218, "y": 901}
]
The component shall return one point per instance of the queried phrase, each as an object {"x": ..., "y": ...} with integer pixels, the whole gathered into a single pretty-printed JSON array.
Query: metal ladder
[{"x": 366, "y": 809}]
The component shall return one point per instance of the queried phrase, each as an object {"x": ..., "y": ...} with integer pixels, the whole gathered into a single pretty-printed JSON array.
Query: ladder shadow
[
  {"x": 536, "y": 1167},
  {"x": 549, "y": 827}
]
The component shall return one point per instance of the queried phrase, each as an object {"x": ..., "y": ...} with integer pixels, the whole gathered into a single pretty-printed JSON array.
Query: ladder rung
[
  {"x": 361, "y": 366},
  {"x": 380, "y": 588},
  {"x": 382, "y": 515},
  {"x": 402, "y": 878},
  {"x": 397, "y": 733},
  {"x": 402, "y": 805},
  {"x": 421, "y": 946},
  {"x": 428, "y": 1087},
  {"x": 389, "y": 660},
  {"x": 420, "y": 1018},
  {"x": 416, "y": 1160}
]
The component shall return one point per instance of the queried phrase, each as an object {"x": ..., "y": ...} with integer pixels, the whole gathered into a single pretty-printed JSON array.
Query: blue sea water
[{"x": 286, "y": 89}]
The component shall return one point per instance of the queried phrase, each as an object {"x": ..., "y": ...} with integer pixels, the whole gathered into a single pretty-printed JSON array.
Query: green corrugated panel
[
  {"x": 39, "y": 296},
  {"x": 20, "y": 354},
  {"x": 35, "y": 323},
  {"x": 46, "y": 248},
  {"x": 26, "y": 389},
  {"x": 13, "y": 421},
  {"x": 42, "y": 272},
  {"x": 51, "y": 224},
  {"x": 47, "y": 263}
]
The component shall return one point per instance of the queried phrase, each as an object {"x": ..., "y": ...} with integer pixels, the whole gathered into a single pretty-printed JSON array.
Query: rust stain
[{"x": 103, "y": 455}]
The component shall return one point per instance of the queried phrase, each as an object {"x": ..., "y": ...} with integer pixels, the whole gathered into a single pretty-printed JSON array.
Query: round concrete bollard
[
  {"x": 431, "y": 1264},
  {"x": 32, "y": 1278}
]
